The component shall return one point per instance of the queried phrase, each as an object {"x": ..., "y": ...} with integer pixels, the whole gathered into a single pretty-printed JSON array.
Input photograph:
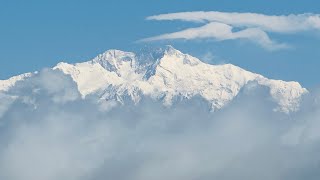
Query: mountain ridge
[{"x": 165, "y": 74}]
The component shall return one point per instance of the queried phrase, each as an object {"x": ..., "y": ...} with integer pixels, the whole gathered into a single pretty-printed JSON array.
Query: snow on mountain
[
  {"x": 168, "y": 74},
  {"x": 5, "y": 85}
]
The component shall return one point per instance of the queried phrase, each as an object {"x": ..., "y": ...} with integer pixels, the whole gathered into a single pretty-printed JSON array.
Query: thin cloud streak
[
  {"x": 280, "y": 24},
  {"x": 221, "y": 26},
  {"x": 222, "y": 32}
]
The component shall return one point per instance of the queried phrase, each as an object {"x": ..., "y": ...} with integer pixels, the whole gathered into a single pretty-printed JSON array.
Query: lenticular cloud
[
  {"x": 254, "y": 27},
  {"x": 48, "y": 132}
]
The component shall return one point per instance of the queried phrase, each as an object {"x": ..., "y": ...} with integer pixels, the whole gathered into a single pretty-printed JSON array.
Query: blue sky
[{"x": 35, "y": 34}]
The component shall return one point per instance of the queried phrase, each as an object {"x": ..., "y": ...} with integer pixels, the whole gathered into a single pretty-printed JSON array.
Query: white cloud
[
  {"x": 6, "y": 101},
  {"x": 221, "y": 32},
  {"x": 281, "y": 24},
  {"x": 77, "y": 140},
  {"x": 254, "y": 27}
]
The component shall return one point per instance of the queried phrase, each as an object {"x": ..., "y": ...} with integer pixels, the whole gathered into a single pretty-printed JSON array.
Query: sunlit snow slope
[{"x": 167, "y": 75}]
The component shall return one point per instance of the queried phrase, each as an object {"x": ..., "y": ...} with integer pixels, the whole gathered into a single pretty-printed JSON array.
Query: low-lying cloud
[
  {"x": 231, "y": 25},
  {"x": 48, "y": 132}
]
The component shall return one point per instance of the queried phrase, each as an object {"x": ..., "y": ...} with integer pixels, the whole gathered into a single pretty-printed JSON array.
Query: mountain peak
[
  {"x": 170, "y": 50},
  {"x": 174, "y": 57},
  {"x": 115, "y": 53},
  {"x": 113, "y": 59}
]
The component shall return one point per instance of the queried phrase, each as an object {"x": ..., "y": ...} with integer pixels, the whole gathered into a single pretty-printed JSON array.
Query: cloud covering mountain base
[{"x": 48, "y": 132}]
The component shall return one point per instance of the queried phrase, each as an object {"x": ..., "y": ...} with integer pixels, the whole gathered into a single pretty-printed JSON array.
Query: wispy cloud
[
  {"x": 221, "y": 32},
  {"x": 254, "y": 27},
  {"x": 74, "y": 139}
]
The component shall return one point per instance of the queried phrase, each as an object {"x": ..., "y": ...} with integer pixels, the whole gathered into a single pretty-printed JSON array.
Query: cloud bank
[
  {"x": 48, "y": 132},
  {"x": 251, "y": 26}
]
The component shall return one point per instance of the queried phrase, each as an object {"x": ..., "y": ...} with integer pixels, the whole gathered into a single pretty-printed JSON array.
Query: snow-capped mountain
[
  {"x": 5, "y": 85},
  {"x": 166, "y": 75}
]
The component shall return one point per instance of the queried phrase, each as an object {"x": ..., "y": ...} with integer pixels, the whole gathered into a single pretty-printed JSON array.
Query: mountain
[
  {"x": 5, "y": 85},
  {"x": 167, "y": 74}
]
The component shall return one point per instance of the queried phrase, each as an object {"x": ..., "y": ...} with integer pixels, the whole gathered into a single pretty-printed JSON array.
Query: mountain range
[{"x": 166, "y": 74}]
